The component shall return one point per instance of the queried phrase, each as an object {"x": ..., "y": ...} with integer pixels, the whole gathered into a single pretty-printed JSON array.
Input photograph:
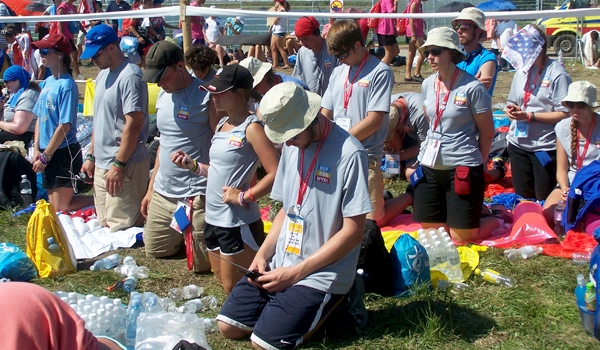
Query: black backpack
[
  {"x": 375, "y": 261},
  {"x": 12, "y": 166}
]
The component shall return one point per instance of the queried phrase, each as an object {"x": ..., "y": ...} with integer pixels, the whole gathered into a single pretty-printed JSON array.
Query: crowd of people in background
[{"x": 320, "y": 133}]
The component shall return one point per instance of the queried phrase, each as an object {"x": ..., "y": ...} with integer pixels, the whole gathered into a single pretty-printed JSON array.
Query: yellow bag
[
  {"x": 43, "y": 225},
  {"x": 90, "y": 91}
]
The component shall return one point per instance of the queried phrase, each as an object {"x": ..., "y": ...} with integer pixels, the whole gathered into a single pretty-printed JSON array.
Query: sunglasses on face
[
  {"x": 46, "y": 52},
  {"x": 95, "y": 57},
  {"x": 463, "y": 26},
  {"x": 343, "y": 55},
  {"x": 579, "y": 104},
  {"x": 434, "y": 52}
]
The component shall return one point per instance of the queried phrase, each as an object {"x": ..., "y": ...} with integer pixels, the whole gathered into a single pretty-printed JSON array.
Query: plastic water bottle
[
  {"x": 53, "y": 248},
  {"x": 26, "y": 191},
  {"x": 590, "y": 296},
  {"x": 581, "y": 258},
  {"x": 132, "y": 314},
  {"x": 455, "y": 273},
  {"x": 525, "y": 252},
  {"x": 580, "y": 290},
  {"x": 130, "y": 284},
  {"x": 496, "y": 277},
  {"x": 444, "y": 285},
  {"x": 209, "y": 302},
  {"x": 558, "y": 218},
  {"x": 192, "y": 291},
  {"x": 192, "y": 306},
  {"x": 106, "y": 263},
  {"x": 175, "y": 294},
  {"x": 210, "y": 325}
]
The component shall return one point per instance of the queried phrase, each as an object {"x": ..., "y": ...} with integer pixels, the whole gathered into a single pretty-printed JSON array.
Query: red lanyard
[
  {"x": 348, "y": 88},
  {"x": 304, "y": 182},
  {"x": 439, "y": 111},
  {"x": 581, "y": 157},
  {"x": 529, "y": 89}
]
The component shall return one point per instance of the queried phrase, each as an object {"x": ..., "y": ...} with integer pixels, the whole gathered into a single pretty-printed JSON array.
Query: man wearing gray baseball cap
[{"x": 308, "y": 261}]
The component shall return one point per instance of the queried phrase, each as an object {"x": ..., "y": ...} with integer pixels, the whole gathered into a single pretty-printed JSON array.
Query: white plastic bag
[{"x": 157, "y": 330}]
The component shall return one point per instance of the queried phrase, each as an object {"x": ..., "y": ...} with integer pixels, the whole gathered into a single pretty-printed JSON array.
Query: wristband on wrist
[
  {"x": 242, "y": 201},
  {"x": 195, "y": 166},
  {"x": 117, "y": 166},
  {"x": 90, "y": 157},
  {"x": 45, "y": 158},
  {"x": 202, "y": 171},
  {"x": 119, "y": 163},
  {"x": 251, "y": 195},
  {"x": 532, "y": 116},
  {"x": 529, "y": 117}
]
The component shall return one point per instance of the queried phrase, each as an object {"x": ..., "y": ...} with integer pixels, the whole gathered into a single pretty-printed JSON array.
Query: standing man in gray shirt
[
  {"x": 183, "y": 120},
  {"x": 118, "y": 157},
  {"x": 313, "y": 63}
]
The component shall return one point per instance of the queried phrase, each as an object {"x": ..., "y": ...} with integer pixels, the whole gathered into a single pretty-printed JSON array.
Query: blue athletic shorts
[{"x": 277, "y": 320}]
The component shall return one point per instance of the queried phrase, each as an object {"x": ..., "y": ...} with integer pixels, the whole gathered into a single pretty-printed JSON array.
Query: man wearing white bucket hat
[
  {"x": 308, "y": 260},
  {"x": 480, "y": 63}
]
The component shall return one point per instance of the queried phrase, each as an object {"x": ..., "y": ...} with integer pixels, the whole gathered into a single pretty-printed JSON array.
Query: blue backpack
[
  {"x": 595, "y": 277},
  {"x": 410, "y": 264}
]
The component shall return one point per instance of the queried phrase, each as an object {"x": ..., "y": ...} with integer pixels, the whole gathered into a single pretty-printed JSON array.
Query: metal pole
[{"x": 186, "y": 27}]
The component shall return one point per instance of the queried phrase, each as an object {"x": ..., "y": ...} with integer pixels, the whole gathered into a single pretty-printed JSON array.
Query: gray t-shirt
[
  {"x": 563, "y": 135},
  {"x": 457, "y": 130},
  {"x": 416, "y": 125},
  {"x": 370, "y": 93},
  {"x": 315, "y": 70},
  {"x": 182, "y": 118},
  {"x": 337, "y": 189},
  {"x": 26, "y": 103},
  {"x": 233, "y": 163},
  {"x": 118, "y": 92},
  {"x": 549, "y": 91}
]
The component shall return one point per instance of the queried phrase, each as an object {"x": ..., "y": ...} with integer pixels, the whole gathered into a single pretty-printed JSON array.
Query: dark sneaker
[
  {"x": 355, "y": 303},
  {"x": 419, "y": 78}
]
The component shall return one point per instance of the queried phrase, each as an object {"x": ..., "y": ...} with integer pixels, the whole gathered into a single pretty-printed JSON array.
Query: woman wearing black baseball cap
[{"x": 234, "y": 229}]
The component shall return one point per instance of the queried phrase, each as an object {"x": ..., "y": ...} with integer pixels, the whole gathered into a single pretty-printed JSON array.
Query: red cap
[
  {"x": 306, "y": 26},
  {"x": 54, "y": 41}
]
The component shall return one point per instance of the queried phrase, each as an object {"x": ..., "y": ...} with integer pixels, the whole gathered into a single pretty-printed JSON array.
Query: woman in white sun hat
[
  {"x": 577, "y": 141},
  {"x": 449, "y": 182}
]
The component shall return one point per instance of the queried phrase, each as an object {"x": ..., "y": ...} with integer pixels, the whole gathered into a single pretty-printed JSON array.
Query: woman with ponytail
[{"x": 577, "y": 141}]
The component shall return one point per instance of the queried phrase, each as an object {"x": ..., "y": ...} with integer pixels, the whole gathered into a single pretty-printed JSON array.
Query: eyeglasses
[
  {"x": 95, "y": 57},
  {"x": 579, "y": 104},
  {"x": 343, "y": 56},
  {"x": 46, "y": 52},
  {"x": 434, "y": 52},
  {"x": 463, "y": 26}
]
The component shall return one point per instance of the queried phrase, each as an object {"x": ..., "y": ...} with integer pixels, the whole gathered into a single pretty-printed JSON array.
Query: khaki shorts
[
  {"x": 376, "y": 190},
  {"x": 394, "y": 116},
  {"x": 120, "y": 212},
  {"x": 163, "y": 241},
  {"x": 80, "y": 39}
]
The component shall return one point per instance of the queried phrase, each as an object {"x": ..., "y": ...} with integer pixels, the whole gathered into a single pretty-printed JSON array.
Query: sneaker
[
  {"x": 418, "y": 78},
  {"x": 355, "y": 303},
  {"x": 80, "y": 77}
]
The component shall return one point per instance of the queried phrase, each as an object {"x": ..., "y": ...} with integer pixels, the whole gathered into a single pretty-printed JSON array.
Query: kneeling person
[{"x": 322, "y": 182}]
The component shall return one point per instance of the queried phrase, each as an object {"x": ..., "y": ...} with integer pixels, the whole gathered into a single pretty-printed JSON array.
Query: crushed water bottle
[
  {"x": 130, "y": 284},
  {"x": 444, "y": 285},
  {"x": 141, "y": 272},
  {"x": 192, "y": 291},
  {"x": 209, "y": 302},
  {"x": 525, "y": 252},
  {"x": 175, "y": 294},
  {"x": 106, "y": 263},
  {"x": 210, "y": 325},
  {"x": 192, "y": 306},
  {"x": 53, "y": 248},
  {"x": 26, "y": 191},
  {"x": 496, "y": 277},
  {"x": 168, "y": 304}
]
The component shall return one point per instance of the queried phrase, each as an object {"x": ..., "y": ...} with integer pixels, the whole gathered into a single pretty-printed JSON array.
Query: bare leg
[
  {"x": 412, "y": 50},
  {"x": 420, "y": 59},
  {"x": 274, "y": 52},
  {"x": 394, "y": 207},
  {"x": 63, "y": 199},
  {"x": 220, "y": 53},
  {"x": 230, "y": 274},
  {"x": 391, "y": 51},
  {"x": 75, "y": 59},
  {"x": 550, "y": 204}
]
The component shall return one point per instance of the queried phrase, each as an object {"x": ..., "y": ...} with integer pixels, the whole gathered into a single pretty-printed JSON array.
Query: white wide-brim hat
[
  {"x": 287, "y": 110},
  {"x": 581, "y": 91},
  {"x": 474, "y": 15},
  {"x": 442, "y": 37},
  {"x": 257, "y": 68}
]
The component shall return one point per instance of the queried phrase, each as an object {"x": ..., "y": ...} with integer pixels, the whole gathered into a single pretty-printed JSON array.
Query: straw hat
[
  {"x": 474, "y": 15},
  {"x": 442, "y": 37},
  {"x": 287, "y": 110},
  {"x": 581, "y": 91}
]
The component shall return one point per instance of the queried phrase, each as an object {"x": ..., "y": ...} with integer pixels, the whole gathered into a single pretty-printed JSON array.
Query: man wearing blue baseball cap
[{"x": 120, "y": 133}]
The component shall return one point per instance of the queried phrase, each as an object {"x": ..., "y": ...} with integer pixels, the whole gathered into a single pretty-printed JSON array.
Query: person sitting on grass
[
  {"x": 577, "y": 140},
  {"x": 308, "y": 261}
]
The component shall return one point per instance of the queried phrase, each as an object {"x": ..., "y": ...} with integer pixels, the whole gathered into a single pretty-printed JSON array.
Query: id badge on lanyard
[
  {"x": 522, "y": 129},
  {"x": 294, "y": 231},
  {"x": 432, "y": 149}
]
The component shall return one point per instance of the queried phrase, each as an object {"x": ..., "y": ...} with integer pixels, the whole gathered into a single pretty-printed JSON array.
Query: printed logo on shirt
[
  {"x": 460, "y": 99},
  {"x": 323, "y": 174},
  {"x": 364, "y": 82},
  {"x": 597, "y": 142},
  {"x": 545, "y": 82},
  {"x": 327, "y": 64},
  {"x": 183, "y": 113},
  {"x": 237, "y": 138}
]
